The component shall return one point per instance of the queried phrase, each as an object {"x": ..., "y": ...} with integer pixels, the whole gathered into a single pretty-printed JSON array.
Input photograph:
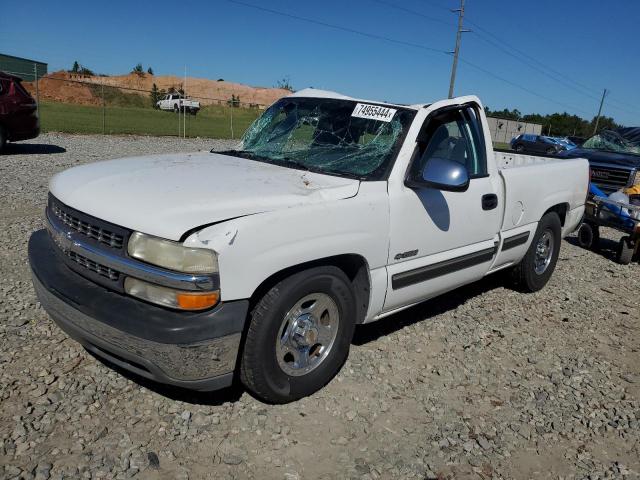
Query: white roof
[{"x": 315, "y": 93}]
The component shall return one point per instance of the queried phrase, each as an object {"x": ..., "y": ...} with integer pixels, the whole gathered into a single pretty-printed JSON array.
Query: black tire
[
  {"x": 176, "y": 109},
  {"x": 3, "y": 138},
  {"x": 260, "y": 369},
  {"x": 624, "y": 253},
  {"x": 589, "y": 236},
  {"x": 550, "y": 151},
  {"x": 519, "y": 148},
  {"x": 524, "y": 275}
]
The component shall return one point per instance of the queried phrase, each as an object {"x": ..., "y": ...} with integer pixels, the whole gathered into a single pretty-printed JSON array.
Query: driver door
[{"x": 442, "y": 239}]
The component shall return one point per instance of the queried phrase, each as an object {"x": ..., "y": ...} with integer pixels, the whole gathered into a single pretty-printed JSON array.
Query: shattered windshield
[
  {"x": 610, "y": 141},
  {"x": 332, "y": 136}
]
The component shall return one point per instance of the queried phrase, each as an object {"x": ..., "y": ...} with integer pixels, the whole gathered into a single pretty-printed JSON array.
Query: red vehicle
[{"x": 18, "y": 111}]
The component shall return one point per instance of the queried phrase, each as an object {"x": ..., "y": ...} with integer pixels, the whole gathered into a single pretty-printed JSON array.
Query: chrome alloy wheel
[
  {"x": 544, "y": 252},
  {"x": 307, "y": 334}
]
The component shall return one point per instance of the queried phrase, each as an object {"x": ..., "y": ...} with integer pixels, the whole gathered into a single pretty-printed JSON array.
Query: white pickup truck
[
  {"x": 178, "y": 103},
  {"x": 258, "y": 263}
]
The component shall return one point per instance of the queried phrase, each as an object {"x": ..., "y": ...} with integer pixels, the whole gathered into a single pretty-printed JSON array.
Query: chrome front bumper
[{"x": 196, "y": 350}]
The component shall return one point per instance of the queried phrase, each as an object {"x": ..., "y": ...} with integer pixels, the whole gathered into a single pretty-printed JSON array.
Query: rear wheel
[
  {"x": 299, "y": 335},
  {"x": 176, "y": 108},
  {"x": 535, "y": 269},
  {"x": 589, "y": 236},
  {"x": 624, "y": 254},
  {"x": 550, "y": 151}
]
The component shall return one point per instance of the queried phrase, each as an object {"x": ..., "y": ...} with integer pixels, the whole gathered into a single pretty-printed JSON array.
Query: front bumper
[{"x": 195, "y": 350}]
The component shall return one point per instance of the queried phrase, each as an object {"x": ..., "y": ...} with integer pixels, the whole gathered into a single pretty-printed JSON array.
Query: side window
[
  {"x": 455, "y": 135},
  {"x": 477, "y": 162}
]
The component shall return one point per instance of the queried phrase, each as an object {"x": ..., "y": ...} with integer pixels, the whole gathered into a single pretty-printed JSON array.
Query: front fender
[{"x": 254, "y": 247}]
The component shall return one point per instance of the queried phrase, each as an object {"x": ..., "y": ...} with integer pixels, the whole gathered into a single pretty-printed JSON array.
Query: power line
[
  {"x": 555, "y": 74},
  {"x": 338, "y": 27},
  {"x": 500, "y": 44},
  {"x": 404, "y": 43},
  {"x": 498, "y": 77},
  {"x": 413, "y": 12}
]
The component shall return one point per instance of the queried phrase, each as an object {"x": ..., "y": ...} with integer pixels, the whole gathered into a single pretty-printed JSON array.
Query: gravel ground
[{"x": 481, "y": 383}]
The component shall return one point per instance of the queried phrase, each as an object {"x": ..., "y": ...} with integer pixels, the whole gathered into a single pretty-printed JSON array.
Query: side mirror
[{"x": 441, "y": 174}]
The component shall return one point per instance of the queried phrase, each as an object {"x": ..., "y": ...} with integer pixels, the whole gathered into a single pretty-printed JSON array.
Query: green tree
[
  {"x": 285, "y": 83},
  {"x": 234, "y": 102},
  {"x": 150, "y": 71},
  {"x": 76, "y": 67},
  {"x": 138, "y": 69},
  {"x": 605, "y": 123},
  {"x": 85, "y": 71}
]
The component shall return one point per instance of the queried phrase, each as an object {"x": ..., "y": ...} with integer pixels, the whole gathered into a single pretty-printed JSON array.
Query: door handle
[{"x": 489, "y": 201}]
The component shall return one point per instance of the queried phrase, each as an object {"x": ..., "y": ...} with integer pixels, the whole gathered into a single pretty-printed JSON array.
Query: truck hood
[{"x": 168, "y": 195}]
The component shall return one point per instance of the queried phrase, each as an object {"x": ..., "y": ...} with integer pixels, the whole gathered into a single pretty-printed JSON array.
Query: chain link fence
[{"x": 94, "y": 104}]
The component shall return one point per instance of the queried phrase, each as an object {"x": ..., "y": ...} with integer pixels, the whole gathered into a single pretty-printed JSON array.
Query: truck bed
[
  {"x": 508, "y": 159},
  {"x": 532, "y": 181}
]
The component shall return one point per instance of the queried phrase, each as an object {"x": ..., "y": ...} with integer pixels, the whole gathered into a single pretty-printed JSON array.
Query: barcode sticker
[{"x": 373, "y": 112}]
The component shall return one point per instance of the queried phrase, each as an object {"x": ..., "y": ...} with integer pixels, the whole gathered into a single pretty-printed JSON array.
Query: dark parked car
[
  {"x": 530, "y": 143},
  {"x": 578, "y": 141},
  {"x": 18, "y": 111},
  {"x": 614, "y": 157}
]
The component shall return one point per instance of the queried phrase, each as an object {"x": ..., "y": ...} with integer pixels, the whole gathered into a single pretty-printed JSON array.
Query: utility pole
[
  {"x": 456, "y": 52},
  {"x": 604, "y": 94}
]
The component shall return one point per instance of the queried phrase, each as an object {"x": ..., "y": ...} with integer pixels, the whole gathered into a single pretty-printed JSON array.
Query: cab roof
[{"x": 315, "y": 93}]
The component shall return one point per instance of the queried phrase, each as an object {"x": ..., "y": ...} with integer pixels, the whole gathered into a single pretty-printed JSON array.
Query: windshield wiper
[{"x": 289, "y": 162}]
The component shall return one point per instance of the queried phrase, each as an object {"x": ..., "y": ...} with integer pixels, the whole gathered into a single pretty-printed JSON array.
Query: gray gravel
[{"x": 481, "y": 383}]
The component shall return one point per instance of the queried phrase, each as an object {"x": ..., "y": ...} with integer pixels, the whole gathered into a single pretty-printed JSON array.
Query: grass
[
  {"x": 501, "y": 146},
  {"x": 212, "y": 121}
]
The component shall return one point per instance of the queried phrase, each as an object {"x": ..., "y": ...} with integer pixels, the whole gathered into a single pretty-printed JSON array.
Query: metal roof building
[{"x": 22, "y": 67}]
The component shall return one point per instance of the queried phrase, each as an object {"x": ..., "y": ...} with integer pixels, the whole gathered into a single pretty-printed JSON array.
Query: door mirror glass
[{"x": 445, "y": 174}]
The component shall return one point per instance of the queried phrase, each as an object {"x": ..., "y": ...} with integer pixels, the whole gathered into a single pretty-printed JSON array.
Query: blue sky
[{"x": 591, "y": 42}]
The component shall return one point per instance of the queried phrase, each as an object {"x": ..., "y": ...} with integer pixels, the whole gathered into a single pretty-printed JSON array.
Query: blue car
[{"x": 537, "y": 144}]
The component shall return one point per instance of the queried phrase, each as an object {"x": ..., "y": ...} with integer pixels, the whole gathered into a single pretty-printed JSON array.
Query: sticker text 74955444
[{"x": 373, "y": 112}]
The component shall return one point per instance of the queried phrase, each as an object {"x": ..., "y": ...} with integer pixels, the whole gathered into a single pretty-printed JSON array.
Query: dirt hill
[{"x": 64, "y": 87}]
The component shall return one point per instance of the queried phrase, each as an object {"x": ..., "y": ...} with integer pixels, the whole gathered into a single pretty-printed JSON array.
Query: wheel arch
[
  {"x": 354, "y": 266},
  {"x": 561, "y": 210}
]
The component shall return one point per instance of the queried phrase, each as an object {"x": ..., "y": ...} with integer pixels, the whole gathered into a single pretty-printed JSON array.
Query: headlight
[
  {"x": 168, "y": 297},
  {"x": 172, "y": 255}
]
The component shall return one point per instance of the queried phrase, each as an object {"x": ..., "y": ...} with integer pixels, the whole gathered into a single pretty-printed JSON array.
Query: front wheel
[
  {"x": 520, "y": 148},
  {"x": 535, "y": 269},
  {"x": 299, "y": 335}
]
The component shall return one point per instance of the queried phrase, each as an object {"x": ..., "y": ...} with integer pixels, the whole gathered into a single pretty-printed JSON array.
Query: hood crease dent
[{"x": 168, "y": 195}]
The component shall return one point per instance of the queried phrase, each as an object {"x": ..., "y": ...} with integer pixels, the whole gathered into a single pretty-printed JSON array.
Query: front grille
[
  {"x": 95, "y": 267},
  {"x": 610, "y": 179},
  {"x": 90, "y": 229}
]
